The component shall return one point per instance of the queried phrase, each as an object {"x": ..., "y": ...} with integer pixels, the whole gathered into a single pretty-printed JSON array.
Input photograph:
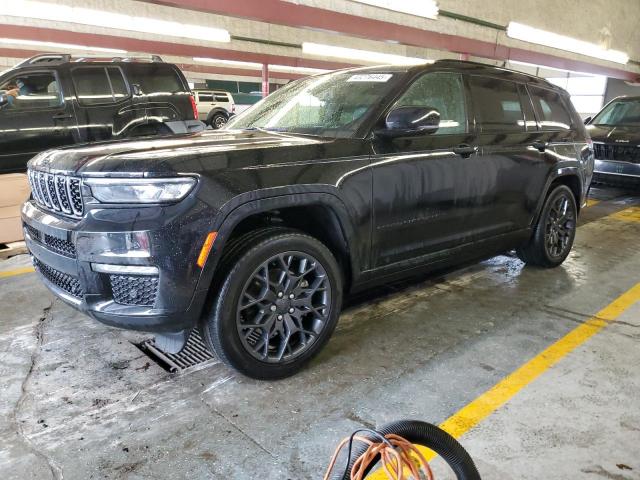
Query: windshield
[
  {"x": 334, "y": 104},
  {"x": 621, "y": 112}
]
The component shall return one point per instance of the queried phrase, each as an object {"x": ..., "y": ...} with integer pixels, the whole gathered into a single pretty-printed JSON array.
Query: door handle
[
  {"x": 464, "y": 150},
  {"x": 542, "y": 146},
  {"x": 62, "y": 116}
]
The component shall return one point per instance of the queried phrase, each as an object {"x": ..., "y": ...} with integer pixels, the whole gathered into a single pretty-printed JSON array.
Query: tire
[
  {"x": 554, "y": 232},
  {"x": 218, "y": 121},
  {"x": 245, "y": 298},
  {"x": 419, "y": 433}
]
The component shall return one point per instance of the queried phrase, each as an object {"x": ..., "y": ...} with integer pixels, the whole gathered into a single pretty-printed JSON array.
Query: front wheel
[
  {"x": 277, "y": 306},
  {"x": 555, "y": 231}
]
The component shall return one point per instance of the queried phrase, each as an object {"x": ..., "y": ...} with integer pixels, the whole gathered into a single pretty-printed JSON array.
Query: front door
[
  {"x": 427, "y": 188},
  {"x": 37, "y": 120}
]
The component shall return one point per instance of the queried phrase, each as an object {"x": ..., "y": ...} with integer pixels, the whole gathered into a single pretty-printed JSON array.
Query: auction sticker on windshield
[{"x": 370, "y": 77}]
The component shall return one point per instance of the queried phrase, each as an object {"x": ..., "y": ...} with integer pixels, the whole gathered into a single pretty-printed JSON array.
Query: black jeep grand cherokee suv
[
  {"x": 64, "y": 101},
  {"x": 334, "y": 183}
]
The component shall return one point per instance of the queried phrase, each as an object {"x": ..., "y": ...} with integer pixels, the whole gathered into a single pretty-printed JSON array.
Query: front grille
[
  {"x": 134, "y": 289},
  {"x": 621, "y": 153},
  {"x": 66, "y": 282},
  {"x": 55, "y": 244},
  {"x": 63, "y": 247},
  {"x": 33, "y": 233},
  {"x": 56, "y": 192}
]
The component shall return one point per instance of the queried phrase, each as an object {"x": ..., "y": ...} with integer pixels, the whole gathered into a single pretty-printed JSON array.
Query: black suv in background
[
  {"x": 65, "y": 101},
  {"x": 334, "y": 183},
  {"x": 615, "y": 132}
]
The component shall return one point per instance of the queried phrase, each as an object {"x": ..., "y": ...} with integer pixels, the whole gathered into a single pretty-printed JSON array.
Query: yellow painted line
[
  {"x": 487, "y": 403},
  {"x": 591, "y": 202},
  {"x": 631, "y": 214},
  {"x": 17, "y": 271}
]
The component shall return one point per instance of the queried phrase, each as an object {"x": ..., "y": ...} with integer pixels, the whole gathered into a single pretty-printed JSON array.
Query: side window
[
  {"x": 445, "y": 93},
  {"x": 497, "y": 105},
  {"x": 36, "y": 91},
  {"x": 118, "y": 84},
  {"x": 92, "y": 85},
  {"x": 551, "y": 111},
  {"x": 222, "y": 98},
  {"x": 205, "y": 97},
  {"x": 155, "y": 78}
]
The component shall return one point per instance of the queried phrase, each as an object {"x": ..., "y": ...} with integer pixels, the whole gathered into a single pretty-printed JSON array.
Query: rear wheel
[
  {"x": 277, "y": 305},
  {"x": 217, "y": 121},
  {"x": 555, "y": 231}
]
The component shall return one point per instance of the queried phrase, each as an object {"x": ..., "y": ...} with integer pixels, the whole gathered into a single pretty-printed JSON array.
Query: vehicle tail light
[
  {"x": 233, "y": 108},
  {"x": 194, "y": 106}
]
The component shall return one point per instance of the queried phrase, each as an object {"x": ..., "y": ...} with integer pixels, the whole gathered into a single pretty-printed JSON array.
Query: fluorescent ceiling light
[
  {"x": 101, "y": 18},
  {"x": 301, "y": 70},
  {"x": 545, "y": 67},
  {"x": 554, "y": 40},
  {"x": 258, "y": 66},
  {"x": 60, "y": 46},
  {"x": 228, "y": 63},
  {"x": 362, "y": 55},
  {"x": 421, "y": 8}
]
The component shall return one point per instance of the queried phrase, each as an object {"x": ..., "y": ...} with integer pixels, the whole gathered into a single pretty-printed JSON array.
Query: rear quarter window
[
  {"x": 156, "y": 78},
  {"x": 550, "y": 109}
]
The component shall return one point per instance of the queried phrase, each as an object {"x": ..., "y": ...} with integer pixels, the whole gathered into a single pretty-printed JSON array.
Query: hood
[
  {"x": 170, "y": 155},
  {"x": 617, "y": 135}
]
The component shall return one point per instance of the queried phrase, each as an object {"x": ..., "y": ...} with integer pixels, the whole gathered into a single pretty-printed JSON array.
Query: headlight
[{"x": 140, "y": 190}]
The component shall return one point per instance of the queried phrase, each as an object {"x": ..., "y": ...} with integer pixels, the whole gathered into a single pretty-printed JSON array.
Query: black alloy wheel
[
  {"x": 275, "y": 302},
  {"x": 560, "y": 226},
  {"x": 553, "y": 235},
  {"x": 284, "y": 306}
]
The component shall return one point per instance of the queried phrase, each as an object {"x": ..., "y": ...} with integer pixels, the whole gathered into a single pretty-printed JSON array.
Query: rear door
[
  {"x": 555, "y": 123},
  {"x": 205, "y": 103},
  {"x": 37, "y": 120},
  {"x": 105, "y": 107},
  {"x": 426, "y": 188},
  {"x": 513, "y": 169}
]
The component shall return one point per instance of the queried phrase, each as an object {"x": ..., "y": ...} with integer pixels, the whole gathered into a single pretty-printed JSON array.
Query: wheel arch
[
  {"x": 320, "y": 215},
  {"x": 215, "y": 111},
  {"x": 569, "y": 176}
]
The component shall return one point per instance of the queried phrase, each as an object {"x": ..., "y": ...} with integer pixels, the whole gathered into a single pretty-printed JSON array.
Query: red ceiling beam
[
  {"x": 285, "y": 13},
  {"x": 135, "y": 45},
  {"x": 188, "y": 67}
]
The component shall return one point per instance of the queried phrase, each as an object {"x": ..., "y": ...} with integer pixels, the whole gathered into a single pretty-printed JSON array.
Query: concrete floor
[{"x": 79, "y": 401}]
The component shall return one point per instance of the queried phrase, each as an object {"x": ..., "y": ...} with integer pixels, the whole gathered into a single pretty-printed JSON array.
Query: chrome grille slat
[
  {"x": 61, "y": 192},
  {"x": 43, "y": 189},
  {"x": 51, "y": 191},
  {"x": 57, "y": 192}
]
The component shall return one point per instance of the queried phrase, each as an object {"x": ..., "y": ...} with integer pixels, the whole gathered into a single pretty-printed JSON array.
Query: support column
[{"x": 265, "y": 80}]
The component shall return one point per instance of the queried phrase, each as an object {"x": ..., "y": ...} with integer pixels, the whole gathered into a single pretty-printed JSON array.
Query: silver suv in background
[{"x": 214, "y": 107}]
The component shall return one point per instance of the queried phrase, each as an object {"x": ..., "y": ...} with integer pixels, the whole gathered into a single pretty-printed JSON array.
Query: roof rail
[
  {"x": 46, "y": 58},
  {"x": 97, "y": 58}
]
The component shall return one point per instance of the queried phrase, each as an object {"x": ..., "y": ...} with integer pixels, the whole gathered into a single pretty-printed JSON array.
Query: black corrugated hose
[{"x": 419, "y": 433}]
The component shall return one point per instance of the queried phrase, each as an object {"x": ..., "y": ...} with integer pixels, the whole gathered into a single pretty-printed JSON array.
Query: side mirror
[
  {"x": 587, "y": 120},
  {"x": 136, "y": 89},
  {"x": 408, "y": 121}
]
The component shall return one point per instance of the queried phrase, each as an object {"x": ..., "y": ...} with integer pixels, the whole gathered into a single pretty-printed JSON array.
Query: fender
[
  {"x": 251, "y": 203},
  {"x": 556, "y": 173}
]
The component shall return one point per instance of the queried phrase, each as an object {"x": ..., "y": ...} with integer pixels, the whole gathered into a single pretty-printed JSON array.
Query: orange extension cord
[{"x": 394, "y": 460}]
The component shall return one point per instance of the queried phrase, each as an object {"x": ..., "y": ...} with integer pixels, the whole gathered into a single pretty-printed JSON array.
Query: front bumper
[{"x": 79, "y": 263}]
